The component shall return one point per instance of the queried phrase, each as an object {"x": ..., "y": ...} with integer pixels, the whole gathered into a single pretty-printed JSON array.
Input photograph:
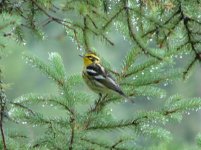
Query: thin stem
[
  {"x": 116, "y": 144},
  {"x": 7, "y": 24},
  {"x": 22, "y": 106},
  {"x": 100, "y": 144},
  {"x": 2, "y": 105},
  {"x": 135, "y": 122},
  {"x": 85, "y": 36},
  {"x": 72, "y": 122},
  {"x": 112, "y": 18},
  {"x": 189, "y": 67},
  {"x": 58, "y": 20},
  {"x": 3, "y": 136},
  {"x": 99, "y": 104}
]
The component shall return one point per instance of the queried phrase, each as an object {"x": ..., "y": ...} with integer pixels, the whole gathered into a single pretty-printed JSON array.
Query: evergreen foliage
[{"x": 160, "y": 32}]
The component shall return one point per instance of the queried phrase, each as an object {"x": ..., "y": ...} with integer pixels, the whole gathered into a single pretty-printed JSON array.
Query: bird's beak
[{"x": 81, "y": 56}]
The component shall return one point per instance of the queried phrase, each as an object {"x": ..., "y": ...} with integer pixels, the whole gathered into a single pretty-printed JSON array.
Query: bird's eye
[{"x": 91, "y": 58}]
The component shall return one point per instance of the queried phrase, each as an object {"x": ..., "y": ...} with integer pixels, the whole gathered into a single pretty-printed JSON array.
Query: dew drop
[
  {"x": 35, "y": 125},
  {"x": 43, "y": 37},
  {"x": 80, "y": 48},
  {"x": 165, "y": 84},
  {"x": 142, "y": 73},
  {"x": 24, "y": 122},
  {"x": 125, "y": 100},
  {"x": 162, "y": 96}
]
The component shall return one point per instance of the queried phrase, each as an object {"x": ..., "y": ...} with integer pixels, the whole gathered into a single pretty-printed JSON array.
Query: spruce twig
[
  {"x": 72, "y": 134},
  {"x": 112, "y": 18},
  {"x": 132, "y": 34},
  {"x": 2, "y": 111},
  {"x": 100, "y": 144},
  {"x": 85, "y": 34},
  {"x": 116, "y": 144}
]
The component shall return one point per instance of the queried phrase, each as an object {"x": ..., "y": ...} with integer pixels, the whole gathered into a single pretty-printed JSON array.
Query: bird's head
[{"x": 90, "y": 58}]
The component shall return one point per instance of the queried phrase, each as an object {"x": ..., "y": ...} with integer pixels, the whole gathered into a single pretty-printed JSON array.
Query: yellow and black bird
[{"x": 97, "y": 77}]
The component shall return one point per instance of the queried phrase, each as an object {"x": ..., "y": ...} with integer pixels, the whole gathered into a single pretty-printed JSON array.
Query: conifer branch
[
  {"x": 52, "y": 18},
  {"x": 132, "y": 34},
  {"x": 163, "y": 25},
  {"x": 72, "y": 134},
  {"x": 3, "y": 5},
  {"x": 63, "y": 22},
  {"x": 112, "y": 18},
  {"x": 105, "y": 6},
  {"x": 136, "y": 122},
  {"x": 97, "y": 33},
  {"x": 23, "y": 107},
  {"x": 185, "y": 21},
  {"x": 116, "y": 144},
  {"x": 99, "y": 104},
  {"x": 171, "y": 30},
  {"x": 139, "y": 76},
  {"x": 92, "y": 21},
  {"x": 123, "y": 124},
  {"x": 189, "y": 67},
  {"x": 100, "y": 144},
  {"x": 190, "y": 40},
  {"x": 39, "y": 144},
  {"x": 2, "y": 111},
  {"x": 7, "y": 24},
  {"x": 32, "y": 24},
  {"x": 85, "y": 34}
]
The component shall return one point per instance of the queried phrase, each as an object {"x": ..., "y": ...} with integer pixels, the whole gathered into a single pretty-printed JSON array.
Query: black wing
[{"x": 99, "y": 74}]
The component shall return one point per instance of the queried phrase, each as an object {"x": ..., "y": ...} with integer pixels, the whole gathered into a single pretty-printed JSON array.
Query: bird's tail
[{"x": 127, "y": 98}]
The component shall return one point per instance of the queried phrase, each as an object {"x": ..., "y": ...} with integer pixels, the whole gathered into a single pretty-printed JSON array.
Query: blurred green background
[{"x": 25, "y": 79}]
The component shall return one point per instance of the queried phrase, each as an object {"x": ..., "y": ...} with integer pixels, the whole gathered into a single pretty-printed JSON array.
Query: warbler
[{"x": 97, "y": 77}]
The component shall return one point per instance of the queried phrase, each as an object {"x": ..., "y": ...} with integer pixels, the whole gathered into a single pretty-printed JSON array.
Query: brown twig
[
  {"x": 85, "y": 34},
  {"x": 99, "y": 104},
  {"x": 72, "y": 124},
  {"x": 112, "y": 18},
  {"x": 189, "y": 67},
  {"x": 135, "y": 122},
  {"x": 161, "y": 25},
  {"x": 53, "y": 18},
  {"x": 115, "y": 144},
  {"x": 99, "y": 144},
  {"x": 2, "y": 105}
]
